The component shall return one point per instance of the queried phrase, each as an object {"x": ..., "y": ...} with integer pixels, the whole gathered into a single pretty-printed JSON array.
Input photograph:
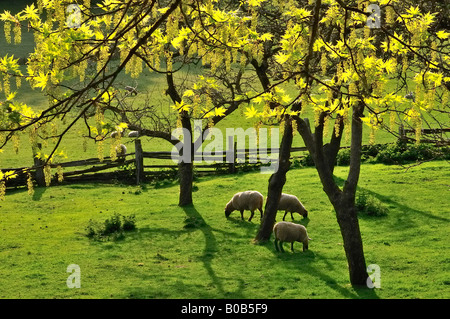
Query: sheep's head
[
  {"x": 305, "y": 213},
  {"x": 302, "y": 210},
  {"x": 228, "y": 209}
]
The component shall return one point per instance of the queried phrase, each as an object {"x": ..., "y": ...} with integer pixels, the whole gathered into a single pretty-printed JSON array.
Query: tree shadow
[
  {"x": 387, "y": 200},
  {"x": 305, "y": 262},
  {"x": 210, "y": 248},
  {"x": 38, "y": 192}
]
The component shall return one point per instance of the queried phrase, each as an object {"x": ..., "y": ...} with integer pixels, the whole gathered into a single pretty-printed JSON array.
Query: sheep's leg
[
  {"x": 281, "y": 246},
  {"x": 292, "y": 216},
  {"x": 285, "y": 213},
  {"x": 260, "y": 210},
  {"x": 292, "y": 246},
  {"x": 305, "y": 246},
  {"x": 251, "y": 216},
  {"x": 242, "y": 214},
  {"x": 275, "y": 242}
]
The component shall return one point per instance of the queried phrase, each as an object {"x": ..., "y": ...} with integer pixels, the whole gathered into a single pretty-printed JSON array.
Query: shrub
[
  {"x": 400, "y": 152},
  {"x": 111, "y": 228},
  {"x": 370, "y": 205},
  {"x": 129, "y": 223},
  {"x": 307, "y": 160},
  {"x": 343, "y": 157},
  {"x": 112, "y": 225}
]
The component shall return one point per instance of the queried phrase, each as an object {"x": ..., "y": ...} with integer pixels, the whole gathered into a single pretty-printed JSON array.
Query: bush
[
  {"x": 400, "y": 152},
  {"x": 343, "y": 157},
  {"x": 370, "y": 205},
  {"x": 306, "y": 160},
  {"x": 112, "y": 225},
  {"x": 129, "y": 223},
  {"x": 111, "y": 228}
]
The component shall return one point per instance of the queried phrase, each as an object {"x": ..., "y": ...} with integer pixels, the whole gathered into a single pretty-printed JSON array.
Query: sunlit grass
[{"x": 165, "y": 258}]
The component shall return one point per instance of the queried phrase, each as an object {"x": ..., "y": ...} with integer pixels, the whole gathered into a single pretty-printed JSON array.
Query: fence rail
[
  {"x": 93, "y": 169},
  {"x": 221, "y": 161},
  {"x": 440, "y": 132}
]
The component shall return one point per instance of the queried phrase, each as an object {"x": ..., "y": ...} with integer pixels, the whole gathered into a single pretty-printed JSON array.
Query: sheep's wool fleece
[
  {"x": 289, "y": 232},
  {"x": 288, "y": 201},
  {"x": 248, "y": 200}
]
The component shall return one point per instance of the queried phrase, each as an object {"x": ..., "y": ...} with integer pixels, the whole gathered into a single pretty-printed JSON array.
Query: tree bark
[
  {"x": 276, "y": 183},
  {"x": 343, "y": 201},
  {"x": 331, "y": 149},
  {"x": 186, "y": 169},
  {"x": 346, "y": 211},
  {"x": 347, "y": 218}
]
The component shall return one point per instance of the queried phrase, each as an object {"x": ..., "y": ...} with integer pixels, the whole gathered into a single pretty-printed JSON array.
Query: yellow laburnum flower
[
  {"x": 250, "y": 112},
  {"x": 442, "y": 34},
  {"x": 220, "y": 111},
  {"x": 40, "y": 81},
  {"x": 282, "y": 58}
]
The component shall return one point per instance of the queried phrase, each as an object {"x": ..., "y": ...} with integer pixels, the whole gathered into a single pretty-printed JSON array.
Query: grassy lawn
[
  {"x": 195, "y": 252},
  {"x": 216, "y": 258}
]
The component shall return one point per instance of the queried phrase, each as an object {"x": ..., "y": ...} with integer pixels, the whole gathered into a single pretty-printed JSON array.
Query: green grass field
[
  {"x": 216, "y": 258},
  {"x": 165, "y": 258}
]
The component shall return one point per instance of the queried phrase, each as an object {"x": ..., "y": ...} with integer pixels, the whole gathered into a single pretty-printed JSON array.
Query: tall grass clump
[{"x": 112, "y": 228}]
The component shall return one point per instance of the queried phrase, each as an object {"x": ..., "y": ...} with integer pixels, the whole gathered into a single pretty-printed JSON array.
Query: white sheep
[
  {"x": 248, "y": 200},
  {"x": 121, "y": 150},
  {"x": 290, "y": 232},
  {"x": 114, "y": 134},
  {"x": 291, "y": 204},
  {"x": 133, "y": 134}
]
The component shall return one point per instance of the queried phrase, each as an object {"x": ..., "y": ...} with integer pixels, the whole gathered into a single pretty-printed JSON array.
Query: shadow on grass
[
  {"x": 307, "y": 262},
  {"x": 207, "y": 288},
  {"x": 388, "y": 201},
  {"x": 209, "y": 250},
  {"x": 38, "y": 192}
]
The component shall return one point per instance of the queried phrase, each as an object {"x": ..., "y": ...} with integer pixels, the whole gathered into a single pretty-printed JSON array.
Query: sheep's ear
[{"x": 309, "y": 238}]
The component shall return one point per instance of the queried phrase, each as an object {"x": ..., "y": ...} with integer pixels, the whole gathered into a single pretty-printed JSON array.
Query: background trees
[{"x": 309, "y": 57}]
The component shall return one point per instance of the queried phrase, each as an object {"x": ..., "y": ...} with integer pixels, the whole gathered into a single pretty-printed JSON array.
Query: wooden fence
[
  {"x": 403, "y": 135},
  {"x": 92, "y": 169}
]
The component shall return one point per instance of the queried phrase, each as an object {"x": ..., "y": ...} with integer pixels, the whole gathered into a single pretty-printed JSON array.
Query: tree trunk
[
  {"x": 331, "y": 149},
  {"x": 347, "y": 218},
  {"x": 276, "y": 183},
  {"x": 185, "y": 171},
  {"x": 342, "y": 200},
  {"x": 185, "y": 168}
]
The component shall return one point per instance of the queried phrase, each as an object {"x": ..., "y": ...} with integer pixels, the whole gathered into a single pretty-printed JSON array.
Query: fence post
[
  {"x": 39, "y": 175},
  {"x": 139, "y": 158},
  {"x": 232, "y": 165}
]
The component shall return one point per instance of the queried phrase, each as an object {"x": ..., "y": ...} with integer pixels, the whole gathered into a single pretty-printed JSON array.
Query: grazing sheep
[
  {"x": 133, "y": 134},
  {"x": 291, "y": 204},
  {"x": 290, "y": 232},
  {"x": 114, "y": 134},
  {"x": 248, "y": 200},
  {"x": 121, "y": 150}
]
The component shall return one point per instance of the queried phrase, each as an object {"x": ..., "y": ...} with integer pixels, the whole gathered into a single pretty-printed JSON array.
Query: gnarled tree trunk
[
  {"x": 276, "y": 183},
  {"x": 342, "y": 200}
]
